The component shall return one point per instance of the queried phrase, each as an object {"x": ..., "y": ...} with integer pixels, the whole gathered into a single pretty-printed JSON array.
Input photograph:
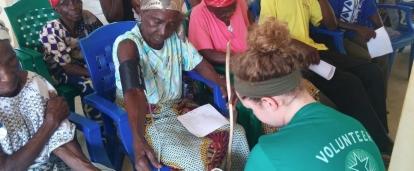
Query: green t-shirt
[{"x": 317, "y": 138}]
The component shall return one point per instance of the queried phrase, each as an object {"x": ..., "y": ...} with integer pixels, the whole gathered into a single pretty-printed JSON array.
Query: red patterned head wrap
[
  {"x": 219, "y": 3},
  {"x": 54, "y": 3}
]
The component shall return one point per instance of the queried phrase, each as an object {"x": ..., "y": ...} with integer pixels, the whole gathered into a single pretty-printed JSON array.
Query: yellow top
[{"x": 297, "y": 14}]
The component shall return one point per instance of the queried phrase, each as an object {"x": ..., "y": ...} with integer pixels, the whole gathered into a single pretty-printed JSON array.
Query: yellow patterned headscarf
[{"x": 175, "y": 5}]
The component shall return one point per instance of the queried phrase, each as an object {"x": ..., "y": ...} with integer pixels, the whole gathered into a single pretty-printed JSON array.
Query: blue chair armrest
[
  {"x": 120, "y": 117},
  {"x": 337, "y": 36},
  {"x": 93, "y": 138},
  {"x": 410, "y": 4},
  {"x": 217, "y": 94},
  {"x": 407, "y": 9}
]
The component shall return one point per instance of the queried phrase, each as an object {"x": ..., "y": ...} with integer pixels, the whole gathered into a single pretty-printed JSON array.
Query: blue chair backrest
[{"x": 97, "y": 51}]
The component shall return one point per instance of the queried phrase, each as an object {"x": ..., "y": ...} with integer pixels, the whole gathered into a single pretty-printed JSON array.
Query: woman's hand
[
  {"x": 144, "y": 155},
  {"x": 311, "y": 53}
]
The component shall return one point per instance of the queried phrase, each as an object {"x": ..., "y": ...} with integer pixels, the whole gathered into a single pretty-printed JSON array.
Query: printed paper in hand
[
  {"x": 381, "y": 45},
  {"x": 324, "y": 69},
  {"x": 203, "y": 120}
]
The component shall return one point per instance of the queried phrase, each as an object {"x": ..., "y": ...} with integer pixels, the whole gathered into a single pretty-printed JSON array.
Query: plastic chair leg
[
  {"x": 410, "y": 61},
  {"x": 391, "y": 58}
]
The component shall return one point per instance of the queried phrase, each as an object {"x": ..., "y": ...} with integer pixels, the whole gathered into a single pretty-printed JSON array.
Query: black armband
[{"x": 131, "y": 75}]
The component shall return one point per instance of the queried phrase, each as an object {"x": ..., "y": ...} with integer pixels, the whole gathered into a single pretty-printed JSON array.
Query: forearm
[
  {"x": 376, "y": 20},
  {"x": 207, "y": 71},
  {"x": 214, "y": 56},
  {"x": 25, "y": 156},
  {"x": 329, "y": 20},
  {"x": 349, "y": 26},
  {"x": 136, "y": 107},
  {"x": 113, "y": 10},
  {"x": 73, "y": 69},
  {"x": 72, "y": 156}
]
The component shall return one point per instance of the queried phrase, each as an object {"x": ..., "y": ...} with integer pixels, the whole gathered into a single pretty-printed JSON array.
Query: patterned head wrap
[
  {"x": 175, "y": 5},
  {"x": 219, "y": 3},
  {"x": 54, "y": 3},
  {"x": 4, "y": 32}
]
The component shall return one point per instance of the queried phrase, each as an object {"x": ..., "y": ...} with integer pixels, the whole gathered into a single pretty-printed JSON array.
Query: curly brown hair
[{"x": 270, "y": 53}]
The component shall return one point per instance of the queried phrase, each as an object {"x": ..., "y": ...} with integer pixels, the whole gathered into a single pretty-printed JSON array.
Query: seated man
[
  {"x": 357, "y": 88},
  {"x": 34, "y": 131},
  {"x": 311, "y": 136},
  {"x": 149, "y": 62},
  {"x": 61, "y": 47},
  {"x": 360, "y": 19}
]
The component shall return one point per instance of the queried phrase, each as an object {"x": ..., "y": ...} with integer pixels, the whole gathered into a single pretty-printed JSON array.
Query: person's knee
[{"x": 373, "y": 74}]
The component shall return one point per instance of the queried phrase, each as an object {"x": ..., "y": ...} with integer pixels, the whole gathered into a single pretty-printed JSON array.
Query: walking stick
[{"x": 231, "y": 114}]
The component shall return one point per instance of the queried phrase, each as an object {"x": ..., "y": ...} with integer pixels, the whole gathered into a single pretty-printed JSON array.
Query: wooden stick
[{"x": 231, "y": 114}]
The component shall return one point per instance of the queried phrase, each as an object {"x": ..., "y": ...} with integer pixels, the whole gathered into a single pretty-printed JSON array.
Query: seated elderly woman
[
  {"x": 34, "y": 131},
  {"x": 311, "y": 136},
  {"x": 215, "y": 22},
  {"x": 149, "y": 62},
  {"x": 60, "y": 43}
]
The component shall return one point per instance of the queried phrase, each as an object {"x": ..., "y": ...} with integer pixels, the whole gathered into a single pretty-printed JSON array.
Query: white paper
[
  {"x": 203, "y": 120},
  {"x": 324, "y": 69},
  {"x": 381, "y": 44}
]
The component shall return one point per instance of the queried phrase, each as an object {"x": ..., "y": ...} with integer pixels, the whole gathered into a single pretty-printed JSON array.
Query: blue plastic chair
[
  {"x": 406, "y": 29},
  {"x": 336, "y": 38},
  {"x": 97, "y": 49},
  {"x": 92, "y": 133},
  {"x": 254, "y": 9}
]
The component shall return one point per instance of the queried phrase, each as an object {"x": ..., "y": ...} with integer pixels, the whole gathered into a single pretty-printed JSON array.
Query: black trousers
[{"x": 358, "y": 90}]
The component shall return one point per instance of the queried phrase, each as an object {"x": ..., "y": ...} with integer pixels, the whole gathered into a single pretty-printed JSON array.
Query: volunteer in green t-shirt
[{"x": 311, "y": 136}]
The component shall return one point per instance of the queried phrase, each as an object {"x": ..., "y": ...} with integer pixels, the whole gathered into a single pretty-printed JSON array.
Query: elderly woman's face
[
  {"x": 70, "y": 9},
  {"x": 223, "y": 13},
  {"x": 9, "y": 69},
  {"x": 158, "y": 25}
]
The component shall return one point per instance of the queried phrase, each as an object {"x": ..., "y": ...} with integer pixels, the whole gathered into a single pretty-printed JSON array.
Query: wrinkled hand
[
  {"x": 56, "y": 109},
  {"x": 144, "y": 155},
  {"x": 223, "y": 87},
  {"x": 311, "y": 53},
  {"x": 366, "y": 33},
  {"x": 136, "y": 5}
]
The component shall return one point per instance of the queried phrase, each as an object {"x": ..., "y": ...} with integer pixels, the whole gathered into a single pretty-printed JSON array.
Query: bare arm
[
  {"x": 136, "y": 106},
  {"x": 71, "y": 154},
  {"x": 208, "y": 72},
  {"x": 113, "y": 10},
  {"x": 376, "y": 19},
  {"x": 73, "y": 69},
  {"x": 364, "y": 33},
  {"x": 213, "y": 56},
  {"x": 57, "y": 110},
  {"x": 329, "y": 20},
  {"x": 25, "y": 156}
]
